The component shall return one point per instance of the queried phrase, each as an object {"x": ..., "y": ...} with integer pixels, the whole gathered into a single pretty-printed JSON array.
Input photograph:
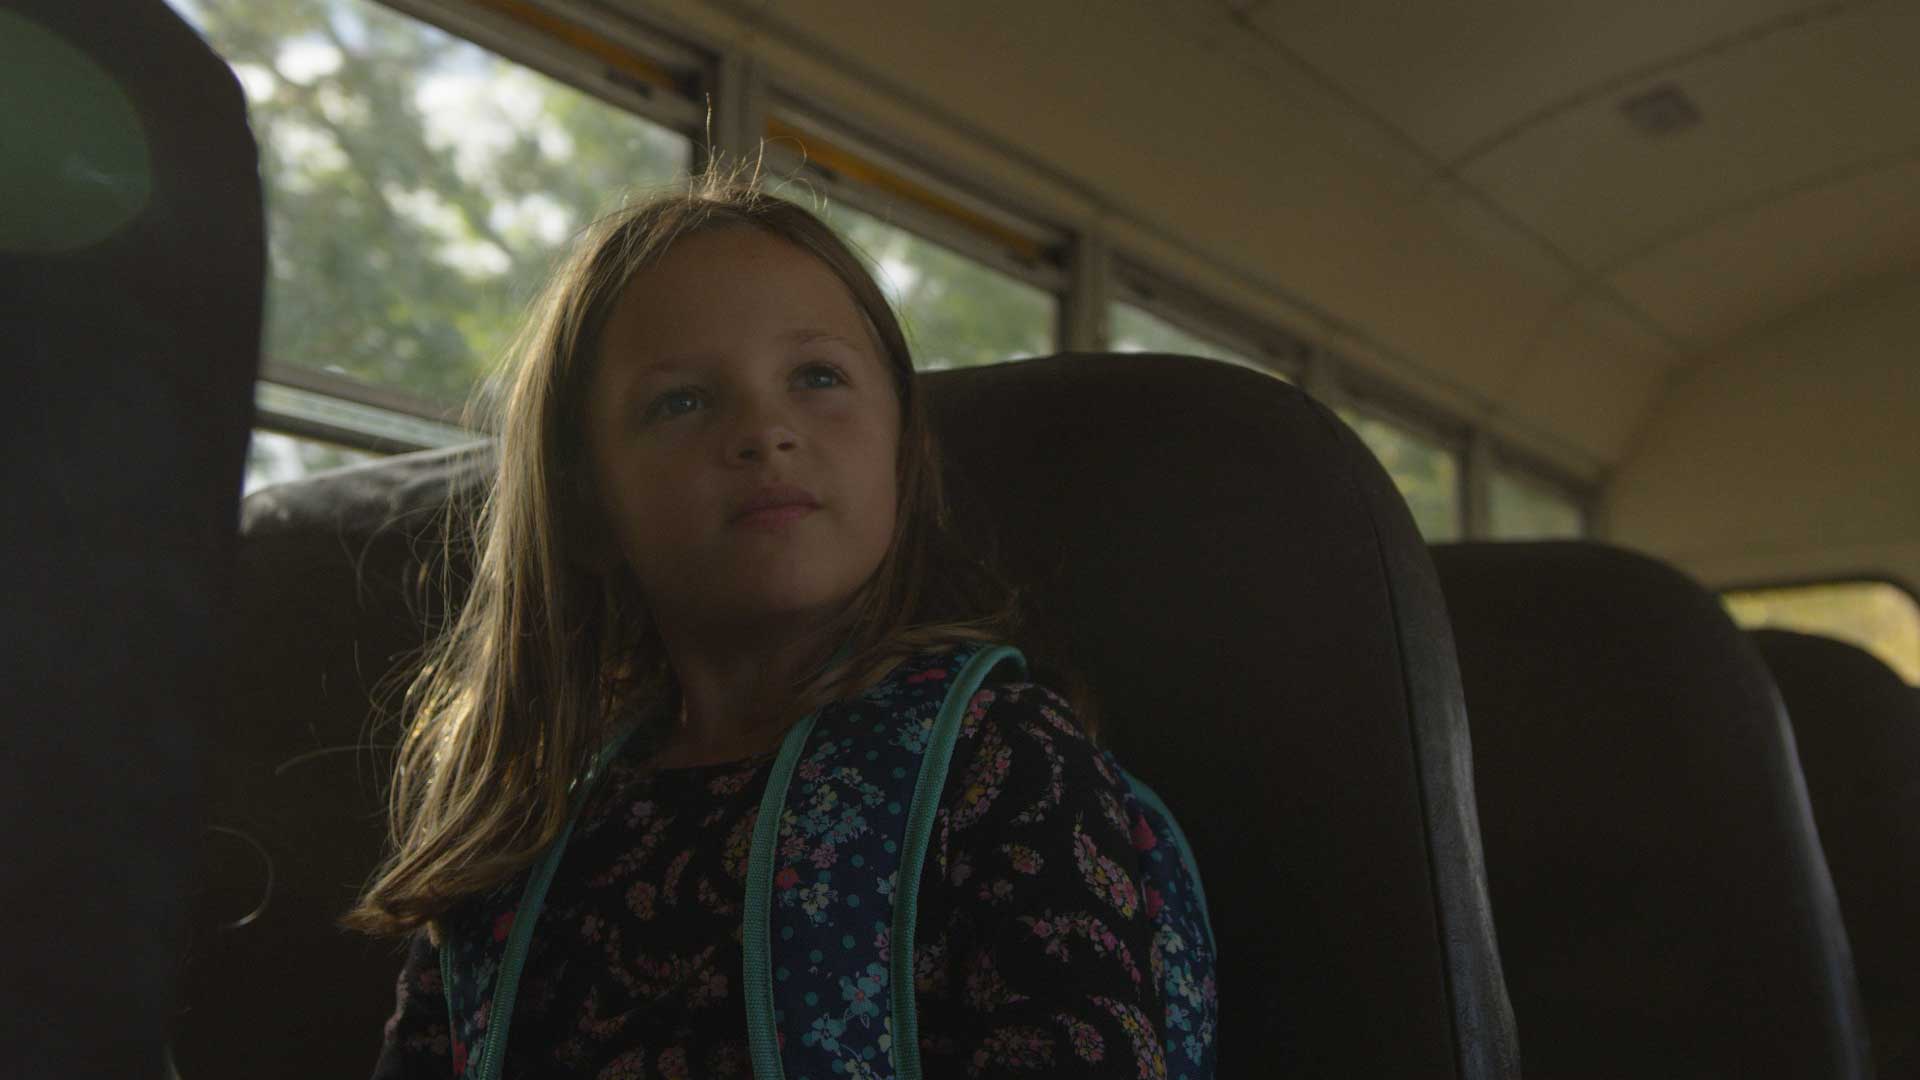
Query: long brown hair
[{"x": 547, "y": 655}]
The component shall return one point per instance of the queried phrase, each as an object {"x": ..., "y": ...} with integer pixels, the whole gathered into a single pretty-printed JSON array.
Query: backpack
[{"x": 828, "y": 972}]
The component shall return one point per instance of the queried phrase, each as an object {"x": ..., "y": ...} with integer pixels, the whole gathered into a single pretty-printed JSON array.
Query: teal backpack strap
[
  {"x": 1184, "y": 950},
  {"x": 763, "y": 1042},
  {"x": 1164, "y": 817},
  {"x": 913, "y": 850},
  {"x": 493, "y": 1046},
  {"x": 844, "y": 828}
]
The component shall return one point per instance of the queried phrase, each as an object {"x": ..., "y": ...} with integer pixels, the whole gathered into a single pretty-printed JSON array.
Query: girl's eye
[
  {"x": 815, "y": 371},
  {"x": 669, "y": 403}
]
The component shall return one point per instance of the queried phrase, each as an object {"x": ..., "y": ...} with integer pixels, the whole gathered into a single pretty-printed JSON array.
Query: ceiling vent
[{"x": 1663, "y": 110}]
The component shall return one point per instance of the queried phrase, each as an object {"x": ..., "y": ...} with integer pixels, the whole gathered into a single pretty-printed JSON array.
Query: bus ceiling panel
[
  {"x": 1777, "y": 114},
  {"x": 1756, "y": 264},
  {"x": 1461, "y": 79},
  {"x": 1796, "y": 178},
  {"x": 1791, "y": 451},
  {"x": 1592, "y": 377}
]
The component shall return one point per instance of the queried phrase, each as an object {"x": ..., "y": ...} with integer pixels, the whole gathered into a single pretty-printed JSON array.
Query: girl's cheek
[{"x": 836, "y": 408}]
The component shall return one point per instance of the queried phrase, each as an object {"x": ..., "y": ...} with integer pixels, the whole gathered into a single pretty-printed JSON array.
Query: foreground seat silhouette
[
  {"x": 1230, "y": 567},
  {"x": 1858, "y": 730},
  {"x": 131, "y": 257},
  {"x": 1662, "y": 903}
]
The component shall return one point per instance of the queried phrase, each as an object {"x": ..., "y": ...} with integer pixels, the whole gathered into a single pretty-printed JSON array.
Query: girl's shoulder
[
  {"x": 1011, "y": 749},
  {"x": 915, "y": 692},
  {"x": 1021, "y": 753},
  {"x": 1026, "y": 708},
  {"x": 1016, "y": 735},
  {"x": 1012, "y": 761}
]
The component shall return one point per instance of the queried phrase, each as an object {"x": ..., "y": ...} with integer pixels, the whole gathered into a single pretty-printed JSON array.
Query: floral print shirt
[{"x": 1032, "y": 949}]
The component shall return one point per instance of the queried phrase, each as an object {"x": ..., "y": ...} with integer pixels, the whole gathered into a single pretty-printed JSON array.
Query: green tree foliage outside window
[
  {"x": 1427, "y": 474},
  {"x": 1133, "y": 329},
  {"x": 1880, "y": 618},
  {"x": 418, "y": 187},
  {"x": 957, "y": 311},
  {"x": 1524, "y": 509}
]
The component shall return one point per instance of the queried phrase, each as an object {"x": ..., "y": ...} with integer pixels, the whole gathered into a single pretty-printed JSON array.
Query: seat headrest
[
  {"x": 131, "y": 258},
  {"x": 1662, "y": 900},
  {"x": 1857, "y": 727},
  {"x": 1245, "y": 588}
]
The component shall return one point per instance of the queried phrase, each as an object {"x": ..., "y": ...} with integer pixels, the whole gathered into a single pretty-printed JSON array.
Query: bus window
[
  {"x": 1133, "y": 329},
  {"x": 1523, "y": 508},
  {"x": 957, "y": 312},
  {"x": 275, "y": 458},
  {"x": 1427, "y": 473},
  {"x": 1879, "y": 617},
  {"x": 417, "y": 185}
]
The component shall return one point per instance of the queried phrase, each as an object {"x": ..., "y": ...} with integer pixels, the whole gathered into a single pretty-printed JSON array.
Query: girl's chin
[{"x": 779, "y": 601}]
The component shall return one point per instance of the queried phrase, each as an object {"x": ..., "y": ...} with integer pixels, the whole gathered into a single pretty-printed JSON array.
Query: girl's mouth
[{"x": 774, "y": 517}]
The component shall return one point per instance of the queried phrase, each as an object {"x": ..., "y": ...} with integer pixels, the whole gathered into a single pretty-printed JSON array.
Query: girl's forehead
[{"x": 717, "y": 289}]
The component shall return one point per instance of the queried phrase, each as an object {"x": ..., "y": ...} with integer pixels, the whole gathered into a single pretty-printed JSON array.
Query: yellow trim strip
[
  {"x": 552, "y": 26},
  {"x": 858, "y": 169}
]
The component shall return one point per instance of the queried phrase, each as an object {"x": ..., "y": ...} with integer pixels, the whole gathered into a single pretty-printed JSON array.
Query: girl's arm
[
  {"x": 415, "y": 1045},
  {"x": 1034, "y": 944}
]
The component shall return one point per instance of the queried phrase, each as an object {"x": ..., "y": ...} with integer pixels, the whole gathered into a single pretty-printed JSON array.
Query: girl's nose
[
  {"x": 759, "y": 444},
  {"x": 762, "y": 432}
]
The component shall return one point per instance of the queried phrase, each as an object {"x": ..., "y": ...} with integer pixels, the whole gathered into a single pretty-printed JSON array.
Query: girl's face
[{"x": 735, "y": 364}]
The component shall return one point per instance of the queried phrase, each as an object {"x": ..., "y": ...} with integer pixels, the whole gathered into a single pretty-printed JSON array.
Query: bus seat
[
  {"x": 1857, "y": 725},
  {"x": 131, "y": 259},
  {"x": 1662, "y": 902},
  {"x": 1222, "y": 558}
]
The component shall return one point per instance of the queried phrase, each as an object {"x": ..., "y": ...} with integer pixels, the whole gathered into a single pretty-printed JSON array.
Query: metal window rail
[{"x": 334, "y": 408}]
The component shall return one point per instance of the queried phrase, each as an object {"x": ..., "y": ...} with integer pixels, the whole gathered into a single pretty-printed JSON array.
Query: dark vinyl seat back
[
  {"x": 1222, "y": 558},
  {"x": 1857, "y": 725},
  {"x": 132, "y": 253},
  {"x": 1663, "y": 905}
]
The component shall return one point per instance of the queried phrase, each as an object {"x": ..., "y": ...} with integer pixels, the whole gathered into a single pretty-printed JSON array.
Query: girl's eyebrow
[
  {"x": 808, "y": 336},
  {"x": 685, "y": 361}
]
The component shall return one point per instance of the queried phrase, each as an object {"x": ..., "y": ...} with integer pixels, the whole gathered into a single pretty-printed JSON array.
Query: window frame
[
  {"x": 1810, "y": 581},
  {"x": 662, "y": 73},
  {"x": 914, "y": 196},
  {"x": 663, "y": 80},
  {"x": 262, "y": 428},
  {"x": 313, "y": 409},
  {"x": 1531, "y": 470},
  {"x": 1194, "y": 312},
  {"x": 1377, "y": 399}
]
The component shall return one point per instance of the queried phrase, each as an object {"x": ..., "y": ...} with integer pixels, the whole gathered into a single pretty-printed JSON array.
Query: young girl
[{"x": 717, "y": 512}]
